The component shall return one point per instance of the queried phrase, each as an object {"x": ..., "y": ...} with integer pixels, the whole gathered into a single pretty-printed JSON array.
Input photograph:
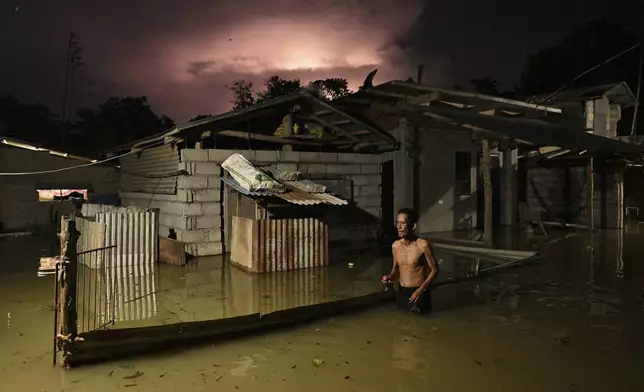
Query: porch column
[
  {"x": 403, "y": 168},
  {"x": 509, "y": 161}
]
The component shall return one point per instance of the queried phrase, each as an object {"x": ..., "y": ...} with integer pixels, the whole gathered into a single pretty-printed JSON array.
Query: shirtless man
[{"x": 410, "y": 254}]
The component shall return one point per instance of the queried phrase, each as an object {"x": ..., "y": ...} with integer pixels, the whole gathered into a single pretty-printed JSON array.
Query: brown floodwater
[{"x": 573, "y": 322}]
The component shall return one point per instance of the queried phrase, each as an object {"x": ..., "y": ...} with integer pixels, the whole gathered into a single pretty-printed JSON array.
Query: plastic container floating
[{"x": 351, "y": 265}]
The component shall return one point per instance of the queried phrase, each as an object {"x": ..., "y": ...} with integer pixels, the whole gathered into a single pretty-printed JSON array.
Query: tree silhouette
[
  {"x": 31, "y": 123},
  {"x": 118, "y": 121},
  {"x": 244, "y": 94}
]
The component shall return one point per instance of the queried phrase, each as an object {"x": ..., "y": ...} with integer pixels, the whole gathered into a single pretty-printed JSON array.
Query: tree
[
  {"x": 120, "y": 120},
  {"x": 33, "y": 123},
  {"x": 243, "y": 95},
  {"x": 583, "y": 48},
  {"x": 274, "y": 86},
  {"x": 331, "y": 88}
]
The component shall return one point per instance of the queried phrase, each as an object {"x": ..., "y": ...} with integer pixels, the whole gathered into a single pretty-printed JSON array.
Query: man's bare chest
[{"x": 409, "y": 255}]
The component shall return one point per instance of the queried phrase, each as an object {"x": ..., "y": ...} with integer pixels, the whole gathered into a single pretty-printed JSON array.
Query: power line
[
  {"x": 554, "y": 94},
  {"x": 73, "y": 167},
  {"x": 637, "y": 97}
]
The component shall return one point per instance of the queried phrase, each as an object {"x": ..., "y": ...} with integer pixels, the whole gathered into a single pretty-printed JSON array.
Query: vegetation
[{"x": 244, "y": 94}]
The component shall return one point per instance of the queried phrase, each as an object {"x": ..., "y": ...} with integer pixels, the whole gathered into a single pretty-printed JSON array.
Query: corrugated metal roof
[
  {"x": 398, "y": 90},
  {"x": 294, "y": 195},
  {"x": 618, "y": 93},
  {"x": 139, "y": 171}
]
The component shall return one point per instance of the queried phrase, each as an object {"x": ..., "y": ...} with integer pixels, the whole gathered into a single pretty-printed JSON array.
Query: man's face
[{"x": 403, "y": 226}]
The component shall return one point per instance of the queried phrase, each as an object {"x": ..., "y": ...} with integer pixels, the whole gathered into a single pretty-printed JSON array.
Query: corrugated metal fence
[
  {"x": 135, "y": 236},
  {"x": 133, "y": 231},
  {"x": 130, "y": 271},
  {"x": 279, "y": 244}
]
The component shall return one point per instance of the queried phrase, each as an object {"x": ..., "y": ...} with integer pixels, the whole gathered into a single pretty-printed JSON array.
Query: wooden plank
[
  {"x": 171, "y": 251},
  {"x": 486, "y": 164}
]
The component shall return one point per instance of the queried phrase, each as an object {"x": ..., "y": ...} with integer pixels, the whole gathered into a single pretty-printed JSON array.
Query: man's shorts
[{"x": 422, "y": 306}]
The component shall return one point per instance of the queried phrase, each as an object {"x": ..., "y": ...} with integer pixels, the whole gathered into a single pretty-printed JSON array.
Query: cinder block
[
  {"x": 207, "y": 168},
  {"x": 266, "y": 156},
  {"x": 287, "y": 167},
  {"x": 218, "y": 156},
  {"x": 288, "y": 156},
  {"x": 370, "y": 169},
  {"x": 192, "y": 182},
  {"x": 192, "y": 236},
  {"x": 354, "y": 158},
  {"x": 316, "y": 168},
  {"x": 214, "y": 235},
  {"x": 343, "y": 169},
  {"x": 369, "y": 190},
  {"x": 206, "y": 195},
  {"x": 205, "y": 249},
  {"x": 364, "y": 202},
  {"x": 208, "y": 222},
  {"x": 214, "y": 182},
  {"x": 328, "y": 157},
  {"x": 193, "y": 155},
  {"x": 211, "y": 209},
  {"x": 310, "y": 157}
]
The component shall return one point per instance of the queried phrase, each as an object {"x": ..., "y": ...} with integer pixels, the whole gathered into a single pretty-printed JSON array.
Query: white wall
[
  {"x": 19, "y": 205},
  {"x": 440, "y": 209}
]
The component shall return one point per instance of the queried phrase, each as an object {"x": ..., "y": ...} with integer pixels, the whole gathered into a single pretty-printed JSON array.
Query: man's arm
[
  {"x": 431, "y": 262},
  {"x": 394, "y": 268}
]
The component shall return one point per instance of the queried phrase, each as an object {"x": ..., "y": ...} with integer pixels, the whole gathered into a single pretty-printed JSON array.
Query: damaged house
[
  {"x": 452, "y": 155},
  {"x": 180, "y": 172}
]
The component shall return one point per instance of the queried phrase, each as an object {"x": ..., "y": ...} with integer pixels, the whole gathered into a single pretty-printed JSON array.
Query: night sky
[{"x": 181, "y": 54}]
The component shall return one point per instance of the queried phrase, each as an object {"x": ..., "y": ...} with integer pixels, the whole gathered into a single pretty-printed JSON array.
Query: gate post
[{"x": 66, "y": 280}]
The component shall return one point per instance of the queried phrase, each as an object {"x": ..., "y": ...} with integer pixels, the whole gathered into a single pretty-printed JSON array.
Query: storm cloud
[{"x": 183, "y": 54}]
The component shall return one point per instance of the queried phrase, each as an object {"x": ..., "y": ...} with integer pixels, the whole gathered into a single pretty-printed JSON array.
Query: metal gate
[
  {"x": 96, "y": 289},
  {"x": 95, "y": 293}
]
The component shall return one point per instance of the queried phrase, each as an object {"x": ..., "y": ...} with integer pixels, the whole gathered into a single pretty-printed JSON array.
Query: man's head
[{"x": 406, "y": 222}]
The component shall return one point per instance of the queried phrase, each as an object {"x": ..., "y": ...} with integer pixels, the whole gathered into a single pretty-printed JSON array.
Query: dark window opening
[{"x": 463, "y": 177}]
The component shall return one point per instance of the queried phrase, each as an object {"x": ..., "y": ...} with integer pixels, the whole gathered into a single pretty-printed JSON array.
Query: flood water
[{"x": 574, "y": 322}]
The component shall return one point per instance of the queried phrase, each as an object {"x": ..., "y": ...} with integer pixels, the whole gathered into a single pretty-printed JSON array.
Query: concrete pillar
[
  {"x": 403, "y": 168},
  {"x": 509, "y": 204}
]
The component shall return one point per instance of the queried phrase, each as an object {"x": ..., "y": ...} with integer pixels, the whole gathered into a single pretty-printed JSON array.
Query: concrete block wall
[{"x": 195, "y": 212}]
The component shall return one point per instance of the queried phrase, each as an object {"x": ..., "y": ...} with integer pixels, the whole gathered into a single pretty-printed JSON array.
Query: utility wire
[
  {"x": 72, "y": 167},
  {"x": 637, "y": 97},
  {"x": 555, "y": 93}
]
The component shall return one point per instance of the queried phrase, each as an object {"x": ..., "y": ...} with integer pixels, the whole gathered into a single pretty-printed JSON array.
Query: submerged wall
[
  {"x": 195, "y": 211},
  {"x": 560, "y": 192}
]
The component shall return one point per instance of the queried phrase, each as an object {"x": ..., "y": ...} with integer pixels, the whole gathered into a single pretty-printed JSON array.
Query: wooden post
[
  {"x": 486, "y": 164},
  {"x": 591, "y": 192},
  {"x": 67, "y": 287},
  {"x": 287, "y": 130}
]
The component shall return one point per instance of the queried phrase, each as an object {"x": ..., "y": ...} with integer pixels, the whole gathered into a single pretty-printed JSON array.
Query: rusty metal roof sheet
[{"x": 294, "y": 195}]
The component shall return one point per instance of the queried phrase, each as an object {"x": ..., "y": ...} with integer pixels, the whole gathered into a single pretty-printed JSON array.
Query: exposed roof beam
[
  {"x": 333, "y": 126},
  {"x": 481, "y": 97}
]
